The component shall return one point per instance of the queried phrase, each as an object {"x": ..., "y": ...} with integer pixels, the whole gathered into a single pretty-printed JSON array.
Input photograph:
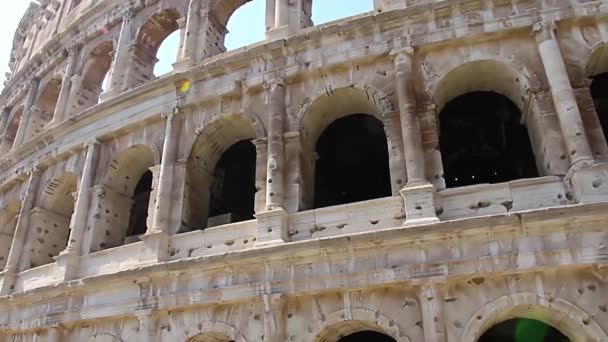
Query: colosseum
[{"x": 428, "y": 171}]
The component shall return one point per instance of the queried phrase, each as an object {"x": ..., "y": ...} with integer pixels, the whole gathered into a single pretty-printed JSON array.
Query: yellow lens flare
[{"x": 185, "y": 87}]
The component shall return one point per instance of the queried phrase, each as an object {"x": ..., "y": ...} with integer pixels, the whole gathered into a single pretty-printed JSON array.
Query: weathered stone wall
[{"x": 427, "y": 263}]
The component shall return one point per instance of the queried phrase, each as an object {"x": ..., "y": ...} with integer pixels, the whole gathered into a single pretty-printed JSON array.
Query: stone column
[
  {"x": 188, "y": 53},
  {"x": 418, "y": 194},
  {"x": 563, "y": 96},
  {"x": 272, "y": 223},
  {"x": 21, "y": 232},
  {"x": 274, "y": 327},
  {"x": 121, "y": 57},
  {"x": 432, "y": 317},
  {"x": 148, "y": 330},
  {"x": 165, "y": 180},
  {"x": 78, "y": 224},
  {"x": 261, "y": 170},
  {"x": 66, "y": 85},
  {"x": 157, "y": 236},
  {"x": 281, "y": 14},
  {"x": 394, "y": 135},
  {"x": 27, "y": 112},
  {"x": 276, "y": 148}
]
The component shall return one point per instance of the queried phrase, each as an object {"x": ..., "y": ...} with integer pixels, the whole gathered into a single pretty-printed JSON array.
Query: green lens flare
[{"x": 529, "y": 330}]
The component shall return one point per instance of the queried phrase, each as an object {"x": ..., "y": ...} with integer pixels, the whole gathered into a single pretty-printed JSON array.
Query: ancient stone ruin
[{"x": 429, "y": 171}]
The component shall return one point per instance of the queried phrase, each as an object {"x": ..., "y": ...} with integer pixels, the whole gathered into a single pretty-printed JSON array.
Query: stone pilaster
[
  {"x": 274, "y": 308},
  {"x": 432, "y": 316},
  {"x": 564, "y": 98},
  {"x": 286, "y": 17},
  {"x": 70, "y": 256},
  {"x": 276, "y": 148},
  {"x": 27, "y": 112},
  {"x": 157, "y": 236},
  {"x": 148, "y": 329},
  {"x": 190, "y": 39},
  {"x": 4, "y": 114},
  {"x": 120, "y": 65},
  {"x": 66, "y": 85},
  {"x": 261, "y": 171},
  {"x": 396, "y": 161},
  {"x": 418, "y": 194},
  {"x": 293, "y": 172},
  {"x": 21, "y": 233}
]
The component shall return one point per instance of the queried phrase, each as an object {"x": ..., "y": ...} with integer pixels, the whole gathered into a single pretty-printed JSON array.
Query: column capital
[
  {"x": 73, "y": 48},
  {"x": 34, "y": 81},
  {"x": 544, "y": 30},
  {"x": 168, "y": 116},
  {"x": 90, "y": 143},
  {"x": 403, "y": 54},
  {"x": 34, "y": 171},
  {"x": 273, "y": 82}
]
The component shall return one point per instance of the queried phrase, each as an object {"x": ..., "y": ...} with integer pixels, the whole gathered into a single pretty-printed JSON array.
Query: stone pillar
[
  {"x": 165, "y": 181},
  {"x": 418, "y": 194},
  {"x": 148, "y": 326},
  {"x": 261, "y": 171},
  {"x": 188, "y": 53},
  {"x": 27, "y": 112},
  {"x": 276, "y": 149},
  {"x": 66, "y": 85},
  {"x": 563, "y": 95},
  {"x": 432, "y": 316},
  {"x": 281, "y": 14},
  {"x": 72, "y": 106},
  {"x": 21, "y": 233},
  {"x": 157, "y": 236},
  {"x": 4, "y": 114},
  {"x": 274, "y": 327},
  {"x": 121, "y": 58},
  {"x": 293, "y": 172},
  {"x": 78, "y": 224},
  {"x": 394, "y": 135}
]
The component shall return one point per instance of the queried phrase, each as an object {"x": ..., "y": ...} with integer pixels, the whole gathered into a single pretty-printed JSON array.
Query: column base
[
  {"x": 108, "y": 95},
  {"x": 589, "y": 182},
  {"x": 157, "y": 244},
  {"x": 419, "y": 201},
  {"x": 278, "y": 33},
  {"x": 273, "y": 228},
  {"x": 182, "y": 65},
  {"x": 7, "y": 282},
  {"x": 69, "y": 261}
]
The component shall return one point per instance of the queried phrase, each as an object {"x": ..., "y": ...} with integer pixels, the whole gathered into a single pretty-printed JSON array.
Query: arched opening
[
  {"x": 523, "y": 329},
  {"x": 167, "y": 54},
  {"x": 151, "y": 36},
  {"x": 482, "y": 140},
  {"x": 221, "y": 174},
  {"x": 211, "y": 337},
  {"x": 352, "y": 162},
  {"x": 246, "y": 25},
  {"x": 50, "y": 222},
  {"x": 139, "y": 209},
  {"x": 9, "y": 214},
  {"x": 44, "y": 110},
  {"x": 94, "y": 74},
  {"x": 367, "y": 336},
  {"x": 10, "y": 133},
  {"x": 120, "y": 208},
  {"x": 232, "y": 193},
  {"x": 599, "y": 93}
]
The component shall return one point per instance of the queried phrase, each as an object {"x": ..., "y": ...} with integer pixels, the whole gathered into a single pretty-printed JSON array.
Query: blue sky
[{"x": 246, "y": 27}]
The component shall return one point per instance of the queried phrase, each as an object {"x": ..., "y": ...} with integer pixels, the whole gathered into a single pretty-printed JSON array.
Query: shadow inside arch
[{"x": 558, "y": 313}]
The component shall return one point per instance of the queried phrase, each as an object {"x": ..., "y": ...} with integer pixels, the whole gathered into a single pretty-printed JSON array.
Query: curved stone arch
[
  {"x": 505, "y": 78},
  {"x": 128, "y": 165},
  {"x": 596, "y": 60},
  {"x": 569, "y": 319},
  {"x": 217, "y": 330},
  {"x": 339, "y": 323},
  {"x": 241, "y": 121},
  {"x": 374, "y": 96},
  {"x": 57, "y": 193}
]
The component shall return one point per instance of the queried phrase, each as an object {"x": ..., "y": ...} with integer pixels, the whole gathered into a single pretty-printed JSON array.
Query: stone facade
[{"x": 187, "y": 207}]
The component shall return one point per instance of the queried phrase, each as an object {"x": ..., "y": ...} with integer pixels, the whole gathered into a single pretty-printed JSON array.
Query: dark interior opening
[
  {"x": 523, "y": 330},
  {"x": 352, "y": 162},
  {"x": 367, "y": 336},
  {"x": 233, "y": 188},
  {"x": 599, "y": 93},
  {"x": 483, "y": 141},
  {"x": 139, "y": 208}
]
